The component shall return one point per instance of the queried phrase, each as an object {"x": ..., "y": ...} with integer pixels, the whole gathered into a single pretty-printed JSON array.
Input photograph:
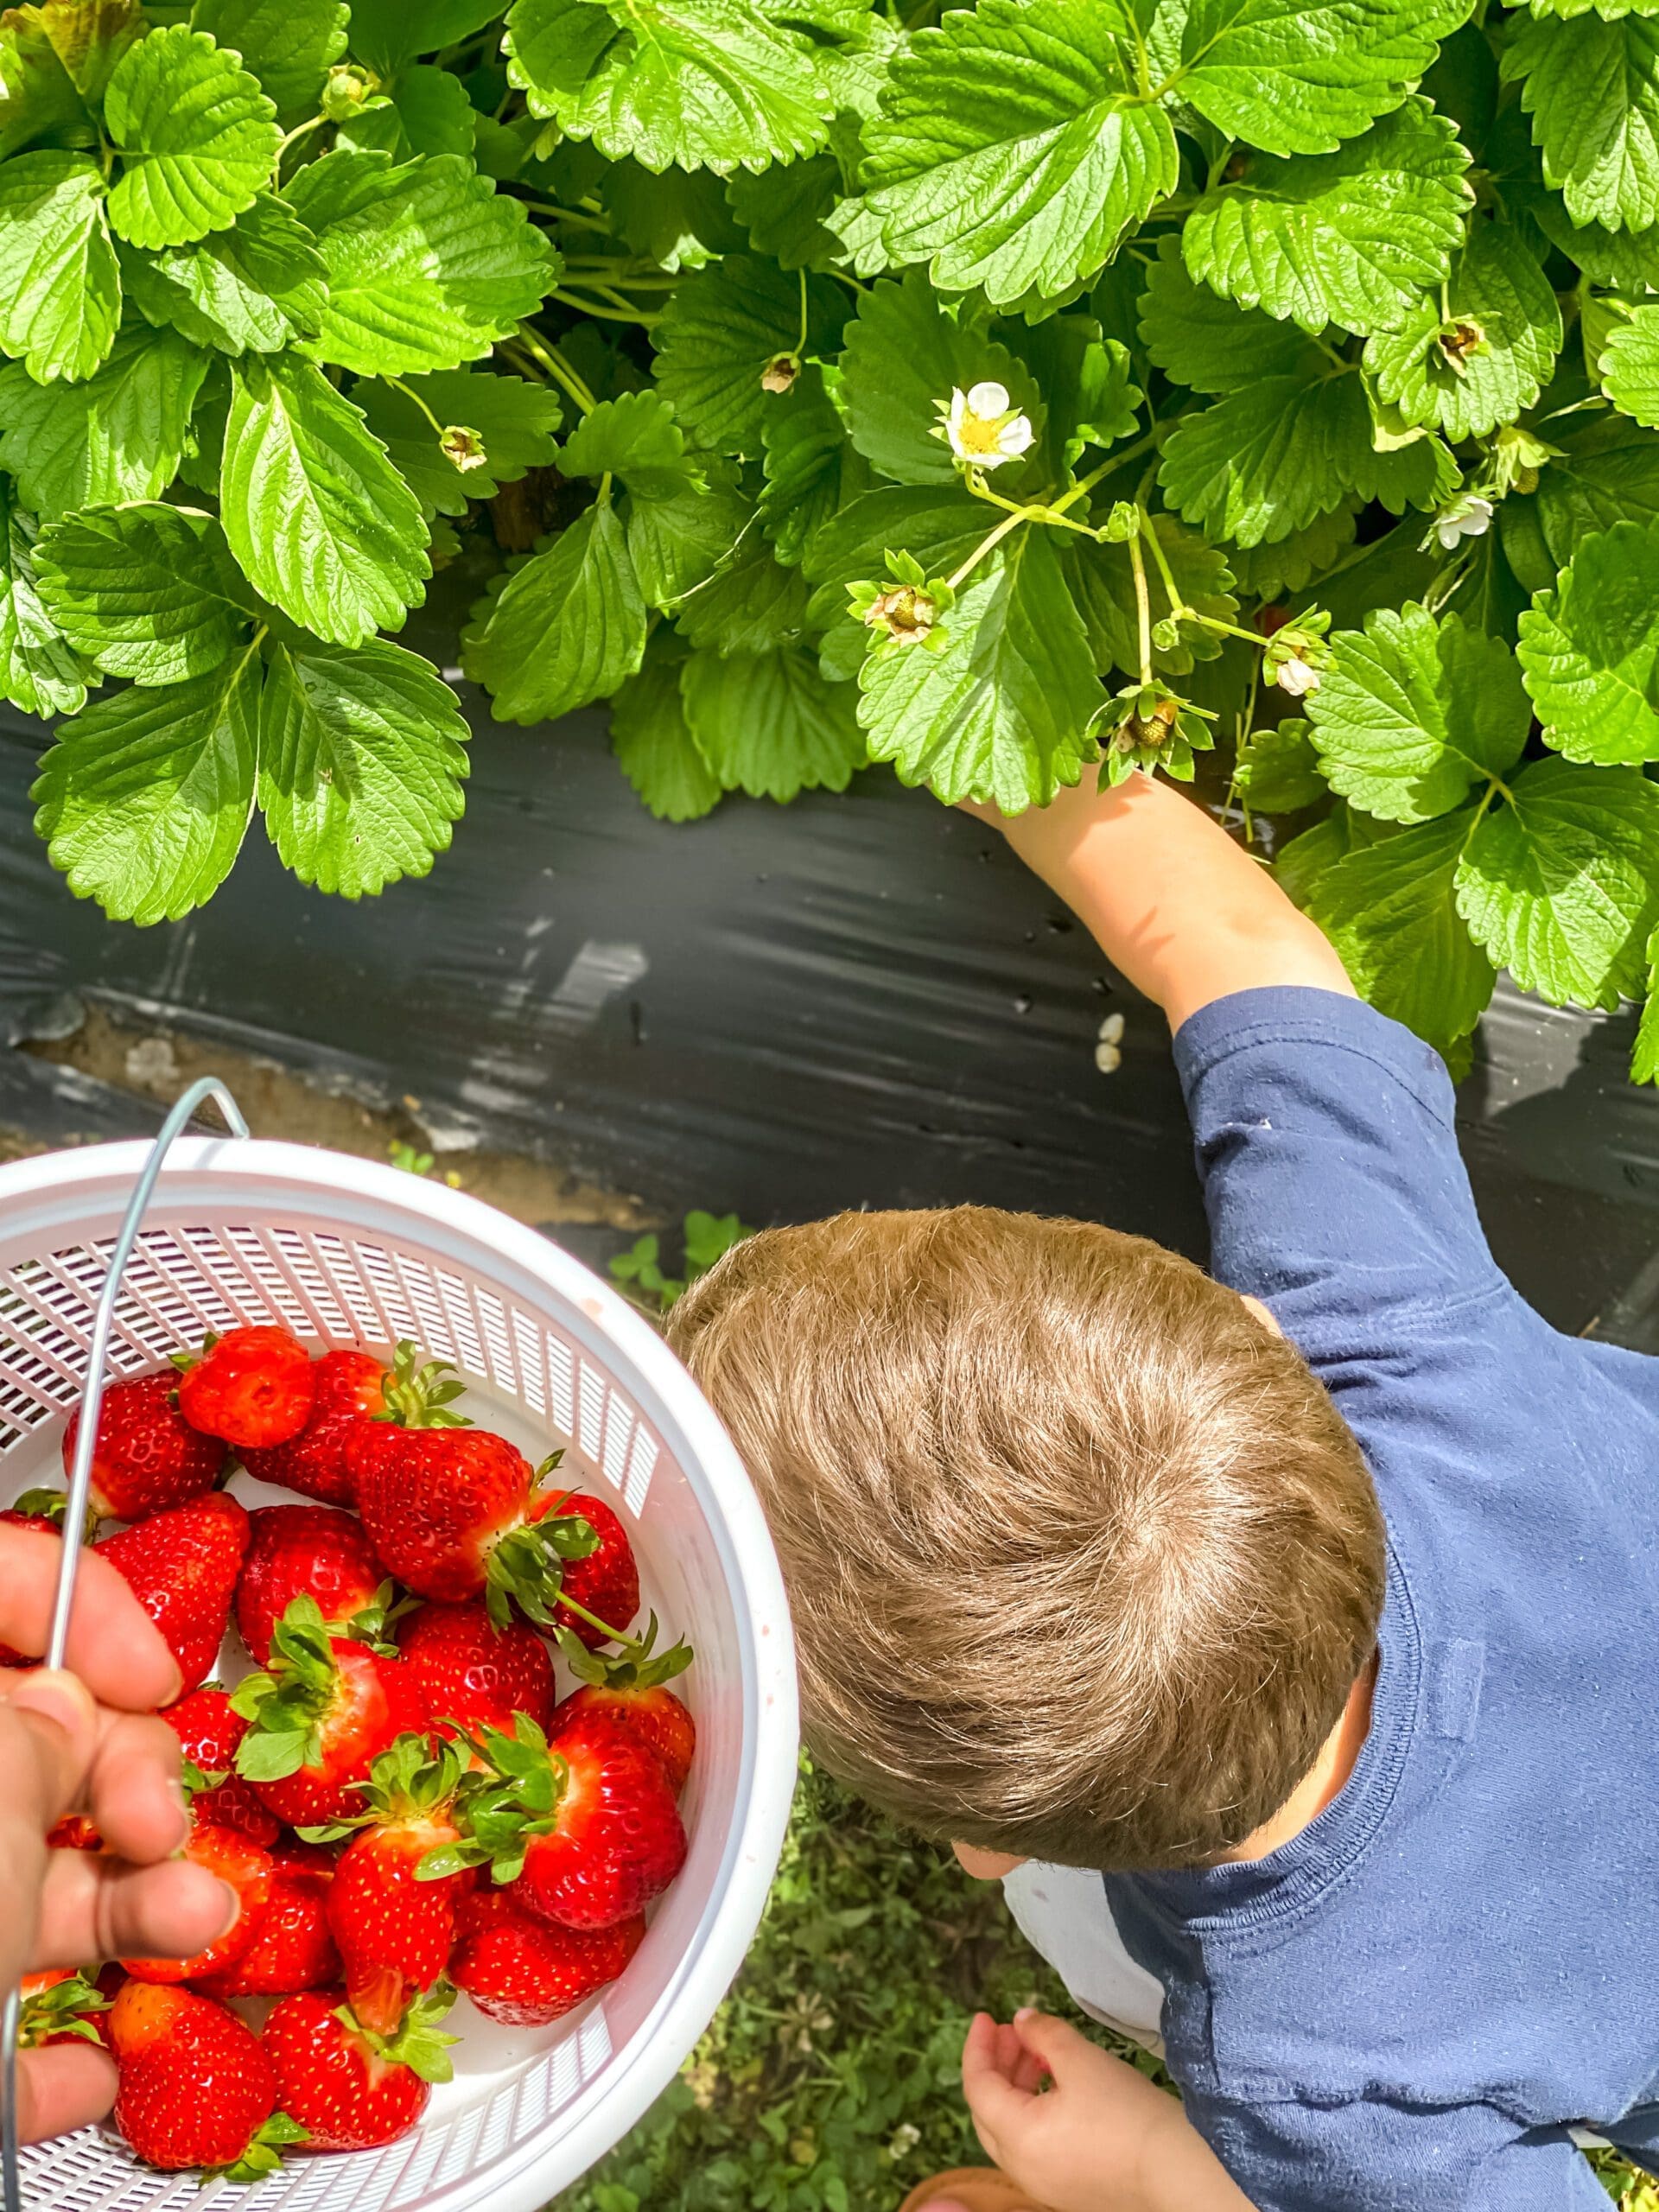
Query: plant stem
[
  {"x": 557, "y": 368},
  {"x": 1142, "y": 606},
  {"x": 623, "y": 313},
  {"x": 1178, "y": 605},
  {"x": 569, "y": 215},
  {"x": 993, "y": 539},
  {"x": 283, "y": 144},
  {"x": 800, "y": 343},
  {"x": 398, "y": 385}
]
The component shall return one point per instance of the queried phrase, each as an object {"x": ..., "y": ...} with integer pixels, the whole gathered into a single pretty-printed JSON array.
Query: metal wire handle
[{"x": 74, "y": 1524}]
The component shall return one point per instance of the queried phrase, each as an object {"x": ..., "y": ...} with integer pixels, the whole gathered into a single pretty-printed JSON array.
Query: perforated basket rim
[{"x": 50, "y": 1197}]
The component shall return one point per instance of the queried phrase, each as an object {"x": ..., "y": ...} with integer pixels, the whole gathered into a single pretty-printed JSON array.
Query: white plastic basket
[{"x": 343, "y": 1250}]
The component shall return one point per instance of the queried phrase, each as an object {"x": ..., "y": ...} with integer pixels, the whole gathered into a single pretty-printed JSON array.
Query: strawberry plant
[{"x": 1008, "y": 394}]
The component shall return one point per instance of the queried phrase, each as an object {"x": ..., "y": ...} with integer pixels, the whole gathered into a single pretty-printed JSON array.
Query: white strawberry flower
[
  {"x": 982, "y": 428},
  {"x": 1297, "y": 676},
  {"x": 1468, "y": 517}
]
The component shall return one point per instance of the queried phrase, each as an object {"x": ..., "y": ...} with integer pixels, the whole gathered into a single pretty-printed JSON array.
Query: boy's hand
[
  {"x": 1179, "y": 909},
  {"x": 1102, "y": 2139},
  {"x": 86, "y": 1742}
]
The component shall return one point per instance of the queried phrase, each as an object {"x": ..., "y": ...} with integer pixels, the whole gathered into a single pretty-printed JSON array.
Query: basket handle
[{"x": 74, "y": 1520}]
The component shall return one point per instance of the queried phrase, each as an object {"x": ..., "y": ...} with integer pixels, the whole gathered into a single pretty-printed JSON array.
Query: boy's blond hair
[{"x": 1083, "y": 1561}]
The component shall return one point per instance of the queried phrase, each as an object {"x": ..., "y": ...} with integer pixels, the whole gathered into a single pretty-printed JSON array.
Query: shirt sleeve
[
  {"x": 1331, "y": 1176},
  {"x": 1300, "y": 2157}
]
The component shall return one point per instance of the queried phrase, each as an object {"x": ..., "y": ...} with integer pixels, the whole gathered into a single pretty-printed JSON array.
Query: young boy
[{"x": 1314, "y": 1607}]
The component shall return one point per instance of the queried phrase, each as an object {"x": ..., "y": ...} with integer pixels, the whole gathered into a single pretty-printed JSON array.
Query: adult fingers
[
  {"x": 49, "y": 1737},
  {"x": 67, "y": 2086},
  {"x": 133, "y": 1791},
  {"x": 96, "y": 1908},
  {"x": 114, "y": 1646}
]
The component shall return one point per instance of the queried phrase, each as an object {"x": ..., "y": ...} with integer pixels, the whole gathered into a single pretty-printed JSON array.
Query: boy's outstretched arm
[{"x": 1176, "y": 906}]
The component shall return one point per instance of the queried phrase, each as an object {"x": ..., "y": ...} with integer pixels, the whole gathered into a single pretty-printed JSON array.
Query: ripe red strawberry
[
  {"x": 348, "y": 1392},
  {"x": 393, "y": 1918},
  {"x": 524, "y": 1972},
  {"x": 246, "y": 1868},
  {"x": 208, "y": 1733},
  {"x": 584, "y": 1833},
  {"x": 59, "y": 2007},
  {"x": 628, "y": 1686},
  {"x": 295, "y": 1551},
  {"x": 251, "y": 1386},
  {"x": 146, "y": 1458},
  {"x": 182, "y": 1566},
  {"x": 196, "y": 2087},
  {"x": 601, "y": 1590},
  {"x": 350, "y": 2090},
  {"x": 327, "y": 1707},
  {"x": 452, "y": 1509},
  {"x": 41, "y": 1512},
  {"x": 292, "y": 1948},
  {"x": 476, "y": 1673},
  {"x": 74, "y": 1832}
]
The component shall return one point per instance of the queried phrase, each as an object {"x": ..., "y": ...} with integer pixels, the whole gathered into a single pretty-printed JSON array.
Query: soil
[{"x": 155, "y": 1063}]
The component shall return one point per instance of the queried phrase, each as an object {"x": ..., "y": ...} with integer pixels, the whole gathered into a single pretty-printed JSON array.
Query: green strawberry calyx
[
  {"x": 263, "y": 2152},
  {"x": 284, "y": 1705},
  {"x": 418, "y": 1396},
  {"x": 526, "y": 1565},
  {"x": 416, "y": 2042},
  {"x": 415, "y": 1778},
  {"x": 635, "y": 1665},
  {"x": 60, "y": 2010},
  {"x": 503, "y": 1804}
]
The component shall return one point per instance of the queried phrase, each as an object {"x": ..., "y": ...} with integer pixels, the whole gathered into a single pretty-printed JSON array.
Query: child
[{"x": 1311, "y": 1612}]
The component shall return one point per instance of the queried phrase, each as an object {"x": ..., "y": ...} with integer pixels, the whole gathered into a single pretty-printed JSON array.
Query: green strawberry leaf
[
  {"x": 1390, "y": 911},
  {"x": 751, "y": 604},
  {"x": 1277, "y": 770},
  {"x": 679, "y": 220},
  {"x": 938, "y": 526},
  {"x": 786, "y": 211},
  {"x": 119, "y": 435},
  {"x": 1591, "y": 89},
  {"x": 255, "y": 288},
  {"x": 705, "y": 83},
  {"x": 40, "y": 670},
  {"x": 1101, "y": 579},
  {"x": 1090, "y": 398},
  {"x": 1627, "y": 261},
  {"x": 1351, "y": 237},
  {"x": 198, "y": 138},
  {"x": 1590, "y": 650},
  {"x": 145, "y": 591},
  {"x": 427, "y": 264},
  {"x": 514, "y": 421},
  {"x": 387, "y": 33},
  {"x": 38, "y": 98},
  {"x": 1629, "y": 363},
  {"x": 320, "y": 521},
  {"x": 423, "y": 110},
  {"x": 637, "y": 440},
  {"x": 567, "y": 629},
  {"x": 905, "y": 354},
  {"x": 1269, "y": 460},
  {"x": 652, "y": 739},
  {"x": 144, "y": 798},
  {"x": 1412, "y": 712},
  {"x": 1483, "y": 358},
  {"x": 810, "y": 470},
  {"x": 1644, "y": 1056},
  {"x": 730, "y": 340},
  {"x": 1210, "y": 344},
  {"x": 676, "y": 545},
  {"x": 60, "y": 282},
  {"x": 768, "y": 724},
  {"x": 289, "y": 44},
  {"x": 1004, "y": 711},
  {"x": 1013, "y": 150},
  {"x": 1561, "y": 885},
  {"x": 362, "y": 754},
  {"x": 1295, "y": 78},
  {"x": 87, "y": 36},
  {"x": 1606, "y": 472},
  {"x": 1268, "y": 572}
]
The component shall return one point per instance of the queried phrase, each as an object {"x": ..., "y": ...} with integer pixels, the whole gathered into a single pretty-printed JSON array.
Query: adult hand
[
  {"x": 86, "y": 1741},
  {"x": 1101, "y": 2138}
]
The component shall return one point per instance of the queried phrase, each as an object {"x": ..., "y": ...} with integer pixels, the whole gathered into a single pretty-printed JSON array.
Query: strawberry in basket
[
  {"x": 395, "y": 1929},
  {"x": 350, "y": 2090},
  {"x": 60, "y": 2006},
  {"x": 40, "y": 1511},
  {"x": 453, "y": 1510},
  {"x": 146, "y": 1458},
  {"x": 251, "y": 1386},
  {"x": 629, "y": 1685},
  {"x": 348, "y": 1392},
  {"x": 208, "y": 1733},
  {"x": 323, "y": 1710},
  {"x": 477, "y": 1672},
  {"x": 292, "y": 1947},
  {"x": 584, "y": 1830},
  {"x": 524, "y": 1972},
  {"x": 599, "y": 1591},
  {"x": 182, "y": 1565},
  {"x": 196, "y": 2088},
  {"x": 297, "y": 1551},
  {"x": 245, "y": 1868}
]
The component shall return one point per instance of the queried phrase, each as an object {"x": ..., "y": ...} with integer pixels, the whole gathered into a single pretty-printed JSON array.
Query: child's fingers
[
  {"x": 96, "y": 1908},
  {"x": 1054, "y": 2045},
  {"x": 996, "y": 2105},
  {"x": 114, "y": 1646},
  {"x": 65, "y": 2087}
]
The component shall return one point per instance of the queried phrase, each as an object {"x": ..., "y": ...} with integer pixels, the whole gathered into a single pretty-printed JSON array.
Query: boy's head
[{"x": 1082, "y": 1562}]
